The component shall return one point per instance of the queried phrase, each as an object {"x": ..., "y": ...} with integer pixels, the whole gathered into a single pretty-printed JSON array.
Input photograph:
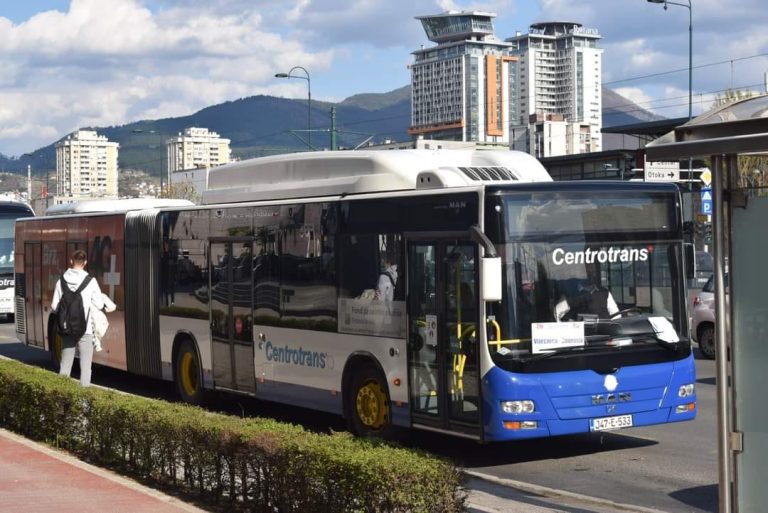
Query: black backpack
[{"x": 70, "y": 314}]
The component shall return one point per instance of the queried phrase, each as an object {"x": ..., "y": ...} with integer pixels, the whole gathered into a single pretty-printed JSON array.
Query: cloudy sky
[{"x": 71, "y": 63}]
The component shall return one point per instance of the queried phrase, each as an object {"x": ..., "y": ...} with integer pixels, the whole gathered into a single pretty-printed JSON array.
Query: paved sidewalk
[{"x": 35, "y": 478}]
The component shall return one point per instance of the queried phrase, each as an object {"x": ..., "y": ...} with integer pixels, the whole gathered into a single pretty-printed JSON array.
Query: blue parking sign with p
[{"x": 706, "y": 201}]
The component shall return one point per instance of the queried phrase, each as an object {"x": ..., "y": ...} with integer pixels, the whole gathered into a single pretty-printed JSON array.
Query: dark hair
[{"x": 79, "y": 257}]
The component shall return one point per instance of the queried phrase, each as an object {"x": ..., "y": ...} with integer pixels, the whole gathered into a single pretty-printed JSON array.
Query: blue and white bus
[{"x": 440, "y": 290}]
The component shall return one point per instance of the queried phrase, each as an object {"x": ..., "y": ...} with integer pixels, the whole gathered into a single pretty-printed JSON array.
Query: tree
[
  {"x": 753, "y": 169},
  {"x": 732, "y": 96},
  {"x": 183, "y": 190}
]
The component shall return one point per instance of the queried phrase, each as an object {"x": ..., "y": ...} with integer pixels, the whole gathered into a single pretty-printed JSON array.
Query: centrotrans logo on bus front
[{"x": 590, "y": 256}]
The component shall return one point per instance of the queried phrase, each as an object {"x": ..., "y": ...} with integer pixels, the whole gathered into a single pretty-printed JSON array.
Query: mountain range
[{"x": 266, "y": 125}]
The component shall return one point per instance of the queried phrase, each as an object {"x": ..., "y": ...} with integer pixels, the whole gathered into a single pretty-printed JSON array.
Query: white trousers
[{"x": 85, "y": 348}]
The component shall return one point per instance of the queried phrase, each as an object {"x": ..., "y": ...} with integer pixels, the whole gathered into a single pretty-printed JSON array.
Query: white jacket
[
  {"x": 91, "y": 294},
  {"x": 100, "y": 322}
]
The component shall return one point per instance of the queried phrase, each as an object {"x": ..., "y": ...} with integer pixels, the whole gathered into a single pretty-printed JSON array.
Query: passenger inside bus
[
  {"x": 385, "y": 288},
  {"x": 591, "y": 300}
]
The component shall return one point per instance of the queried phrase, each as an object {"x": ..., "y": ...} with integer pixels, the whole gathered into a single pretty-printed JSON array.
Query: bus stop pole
[{"x": 720, "y": 174}]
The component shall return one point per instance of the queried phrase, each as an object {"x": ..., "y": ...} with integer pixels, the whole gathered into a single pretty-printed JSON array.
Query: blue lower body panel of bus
[{"x": 584, "y": 400}]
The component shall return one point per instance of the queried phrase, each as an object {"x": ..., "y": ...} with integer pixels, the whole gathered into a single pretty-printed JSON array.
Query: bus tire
[
  {"x": 706, "y": 338},
  {"x": 188, "y": 374},
  {"x": 369, "y": 406}
]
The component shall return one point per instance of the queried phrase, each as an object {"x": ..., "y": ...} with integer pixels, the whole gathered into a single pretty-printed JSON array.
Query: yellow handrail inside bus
[{"x": 498, "y": 342}]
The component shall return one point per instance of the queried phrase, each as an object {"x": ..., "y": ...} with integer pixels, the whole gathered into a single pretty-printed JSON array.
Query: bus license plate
[{"x": 606, "y": 423}]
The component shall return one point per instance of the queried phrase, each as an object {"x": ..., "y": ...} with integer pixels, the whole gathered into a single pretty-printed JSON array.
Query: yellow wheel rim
[
  {"x": 371, "y": 406},
  {"x": 188, "y": 373},
  {"x": 57, "y": 346}
]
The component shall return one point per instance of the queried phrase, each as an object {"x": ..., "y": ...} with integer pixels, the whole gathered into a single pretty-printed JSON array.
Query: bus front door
[
  {"x": 443, "y": 364},
  {"x": 230, "y": 271}
]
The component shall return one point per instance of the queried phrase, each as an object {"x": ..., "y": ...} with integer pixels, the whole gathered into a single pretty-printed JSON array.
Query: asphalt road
[{"x": 671, "y": 468}]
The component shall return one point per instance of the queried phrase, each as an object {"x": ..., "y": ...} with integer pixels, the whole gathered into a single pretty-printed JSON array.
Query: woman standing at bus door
[{"x": 91, "y": 297}]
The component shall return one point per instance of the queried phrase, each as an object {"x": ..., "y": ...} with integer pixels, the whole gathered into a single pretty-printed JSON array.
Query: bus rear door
[{"x": 443, "y": 365}]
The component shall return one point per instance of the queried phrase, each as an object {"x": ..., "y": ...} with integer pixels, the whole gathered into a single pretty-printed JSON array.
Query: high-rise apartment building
[
  {"x": 539, "y": 92},
  {"x": 560, "y": 102},
  {"x": 86, "y": 167},
  {"x": 196, "y": 148},
  {"x": 463, "y": 88}
]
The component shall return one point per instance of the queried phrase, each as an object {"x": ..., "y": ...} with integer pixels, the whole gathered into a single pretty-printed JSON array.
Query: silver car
[{"x": 703, "y": 325}]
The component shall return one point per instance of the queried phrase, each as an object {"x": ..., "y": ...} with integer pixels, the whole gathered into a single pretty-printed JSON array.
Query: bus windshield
[
  {"x": 582, "y": 275},
  {"x": 6, "y": 242}
]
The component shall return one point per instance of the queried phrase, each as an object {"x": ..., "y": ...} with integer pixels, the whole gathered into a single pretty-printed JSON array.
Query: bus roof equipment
[
  {"x": 342, "y": 173},
  {"x": 122, "y": 205}
]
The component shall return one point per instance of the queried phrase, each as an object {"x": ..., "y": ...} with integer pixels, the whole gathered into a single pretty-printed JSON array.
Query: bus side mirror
[
  {"x": 490, "y": 270},
  {"x": 690, "y": 261}
]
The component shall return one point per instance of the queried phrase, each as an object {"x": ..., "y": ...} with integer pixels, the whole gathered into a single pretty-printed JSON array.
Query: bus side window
[{"x": 185, "y": 286}]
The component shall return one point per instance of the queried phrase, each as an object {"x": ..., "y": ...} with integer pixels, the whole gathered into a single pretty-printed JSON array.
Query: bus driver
[{"x": 591, "y": 299}]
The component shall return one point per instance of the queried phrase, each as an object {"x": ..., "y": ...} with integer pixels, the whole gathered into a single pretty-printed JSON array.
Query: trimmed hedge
[{"x": 250, "y": 464}]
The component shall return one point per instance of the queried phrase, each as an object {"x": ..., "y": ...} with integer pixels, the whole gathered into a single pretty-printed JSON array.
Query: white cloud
[{"x": 107, "y": 62}]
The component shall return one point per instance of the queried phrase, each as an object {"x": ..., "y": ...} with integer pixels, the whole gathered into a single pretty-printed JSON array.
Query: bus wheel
[
  {"x": 706, "y": 338},
  {"x": 369, "y": 411},
  {"x": 188, "y": 374}
]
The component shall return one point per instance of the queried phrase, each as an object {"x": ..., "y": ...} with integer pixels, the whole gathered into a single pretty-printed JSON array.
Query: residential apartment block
[
  {"x": 559, "y": 111},
  {"x": 86, "y": 167},
  {"x": 539, "y": 92},
  {"x": 196, "y": 148},
  {"x": 462, "y": 89}
]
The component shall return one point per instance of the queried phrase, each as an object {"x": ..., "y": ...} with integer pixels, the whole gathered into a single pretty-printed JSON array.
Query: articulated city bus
[
  {"x": 436, "y": 290},
  {"x": 10, "y": 210}
]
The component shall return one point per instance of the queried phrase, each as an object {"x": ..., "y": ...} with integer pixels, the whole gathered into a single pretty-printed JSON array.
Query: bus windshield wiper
[{"x": 672, "y": 346}]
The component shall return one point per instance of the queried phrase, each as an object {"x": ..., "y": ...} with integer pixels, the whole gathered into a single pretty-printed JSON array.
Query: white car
[{"x": 703, "y": 325}]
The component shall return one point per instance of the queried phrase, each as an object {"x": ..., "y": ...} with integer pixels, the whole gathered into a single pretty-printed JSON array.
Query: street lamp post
[
  {"x": 309, "y": 97},
  {"x": 690, "y": 47},
  {"x": 688, "y": 6}
]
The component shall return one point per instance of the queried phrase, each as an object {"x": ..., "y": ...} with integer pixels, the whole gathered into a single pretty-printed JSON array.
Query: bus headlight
[
  {"x": 686, "y": 390},
  {"x": 525, "y": 406}
]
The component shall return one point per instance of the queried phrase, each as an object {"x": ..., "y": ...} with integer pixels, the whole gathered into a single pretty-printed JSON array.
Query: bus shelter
[{"x": 734, "y": 139}]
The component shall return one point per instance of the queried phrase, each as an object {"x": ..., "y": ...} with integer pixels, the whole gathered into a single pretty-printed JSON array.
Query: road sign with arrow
[{"x": 662, "y": 172}]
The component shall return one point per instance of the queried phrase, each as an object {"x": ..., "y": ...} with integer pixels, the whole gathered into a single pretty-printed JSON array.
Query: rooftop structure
[{"x": 458, "y": 26}]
